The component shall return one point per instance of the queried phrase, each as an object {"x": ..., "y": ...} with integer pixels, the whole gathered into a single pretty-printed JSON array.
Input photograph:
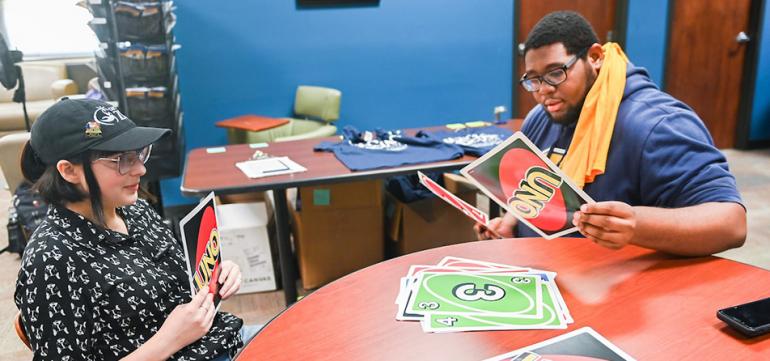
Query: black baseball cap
[{"x": 73, "y": 126}]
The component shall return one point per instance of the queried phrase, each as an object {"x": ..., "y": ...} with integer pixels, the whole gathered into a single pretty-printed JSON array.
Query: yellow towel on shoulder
[{"x": 587, "y": 154}]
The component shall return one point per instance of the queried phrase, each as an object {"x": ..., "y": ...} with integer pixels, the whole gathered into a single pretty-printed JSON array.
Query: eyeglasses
[
  {"x": 553, "y": 77},
  {"x": 126, "y": 160}
]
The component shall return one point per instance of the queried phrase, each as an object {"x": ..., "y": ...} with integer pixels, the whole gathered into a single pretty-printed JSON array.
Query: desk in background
[{"x": 205, "y": 172}]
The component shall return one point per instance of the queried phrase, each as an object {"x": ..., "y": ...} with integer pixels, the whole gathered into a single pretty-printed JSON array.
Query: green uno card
[
  {"x": 469, "y": 293},
  {"x": 455, "y": 322}
]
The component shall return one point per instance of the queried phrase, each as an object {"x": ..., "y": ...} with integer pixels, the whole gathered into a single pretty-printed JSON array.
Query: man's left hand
[
  {"x": 610, "y": 224},
  {"x": 229, "y": 279}
]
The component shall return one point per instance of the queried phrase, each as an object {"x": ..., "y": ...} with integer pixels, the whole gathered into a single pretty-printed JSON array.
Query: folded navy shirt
[
  {"x": 407, "y": 188},
  {"x": 383, "y": 149},
  {"x": 474, "y": 141}
]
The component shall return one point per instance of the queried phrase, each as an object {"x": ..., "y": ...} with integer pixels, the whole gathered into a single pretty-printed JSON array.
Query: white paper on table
[{"x": 269, "y": 166}]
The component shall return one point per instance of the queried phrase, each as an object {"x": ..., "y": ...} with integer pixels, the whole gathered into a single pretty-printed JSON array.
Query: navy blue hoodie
[{"x": 660, "y": 155}]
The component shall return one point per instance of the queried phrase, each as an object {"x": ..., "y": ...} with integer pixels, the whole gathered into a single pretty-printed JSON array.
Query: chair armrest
[
  {"x": 63, "y": 87},
  {"x": 19, "y": 326},
  {"x": 323, "y": 131},
  {"x": 11, "y": 146}
]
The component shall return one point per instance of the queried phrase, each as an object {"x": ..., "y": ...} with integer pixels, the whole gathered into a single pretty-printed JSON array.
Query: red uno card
[
  {"x": 469, "y": 210},
  {"x": 522, "y": 180},
  {"x": 202, "y": 249}
]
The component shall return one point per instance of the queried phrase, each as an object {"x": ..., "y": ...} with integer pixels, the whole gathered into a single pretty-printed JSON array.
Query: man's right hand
[{"x": 500, "y": 225}]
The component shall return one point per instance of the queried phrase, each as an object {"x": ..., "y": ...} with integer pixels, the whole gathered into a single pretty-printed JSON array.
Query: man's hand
[
  {"x": 503, "y": 226},
  {"x": 229, "y": 279},
  {"x": 610, "y": 224}
]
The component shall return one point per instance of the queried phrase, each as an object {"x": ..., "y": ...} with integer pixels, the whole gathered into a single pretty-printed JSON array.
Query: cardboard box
[
  {"x": 245, "y": 241},
  {"x": 430, "y": 222},
  {"x": 337, "y": 229},
  {"x": 250, "y": 197}
]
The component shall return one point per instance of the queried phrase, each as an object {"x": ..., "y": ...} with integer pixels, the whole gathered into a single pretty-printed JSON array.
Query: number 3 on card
[
  {"x": 428, "y": 305},
  {"x": 469, "y": 292}
]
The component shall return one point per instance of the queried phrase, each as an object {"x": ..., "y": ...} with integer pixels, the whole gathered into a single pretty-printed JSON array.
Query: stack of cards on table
[{"x": 461, "y": 294}]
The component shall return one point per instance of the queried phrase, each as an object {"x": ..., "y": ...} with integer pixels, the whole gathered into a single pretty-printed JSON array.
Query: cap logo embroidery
[
  {"x": 93, "y": 130},
  {"x": 108, "y": 115}
]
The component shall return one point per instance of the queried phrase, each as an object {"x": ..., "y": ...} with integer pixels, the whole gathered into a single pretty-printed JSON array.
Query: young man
[{"x": 643, "y": 156}]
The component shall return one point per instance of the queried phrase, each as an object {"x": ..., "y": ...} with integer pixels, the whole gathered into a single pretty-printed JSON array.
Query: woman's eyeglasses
[
  {"x": 126, "y": 160},
  {"x": 553, "y": 77}
]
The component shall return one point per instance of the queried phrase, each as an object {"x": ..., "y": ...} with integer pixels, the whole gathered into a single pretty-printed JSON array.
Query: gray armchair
[
  {"x": 10, "y": 158},
  {"x": 45, "y": 82}
]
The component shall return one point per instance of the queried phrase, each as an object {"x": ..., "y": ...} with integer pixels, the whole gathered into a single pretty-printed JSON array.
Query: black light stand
[{"x": 20, "y": 96}]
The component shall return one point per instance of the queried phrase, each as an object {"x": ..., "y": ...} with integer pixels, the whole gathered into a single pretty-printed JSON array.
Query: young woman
[{"x": 103, "y": 278}]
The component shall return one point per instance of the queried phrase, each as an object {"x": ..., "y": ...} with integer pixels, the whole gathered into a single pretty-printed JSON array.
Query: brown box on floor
[
  {"x": 248, "y": 239},
  {"x": 241, "y": 198},
  {"x": 338, "y": 229},
  {"x": 430, "y": 222}
]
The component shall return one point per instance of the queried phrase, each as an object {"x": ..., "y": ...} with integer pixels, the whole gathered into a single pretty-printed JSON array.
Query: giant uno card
[
  {"x": 522, "y": 180},
  {"x": 490, "y": 294},
  {"x": 474, "y": 213},
  {"x": 201, "y": 242},
  {"x": 584, "y": 344},
  {"x": 453, "y": 322}
]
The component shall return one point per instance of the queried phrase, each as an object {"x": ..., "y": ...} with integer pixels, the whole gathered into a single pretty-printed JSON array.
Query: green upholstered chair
[{"x": 315, "y": 108}]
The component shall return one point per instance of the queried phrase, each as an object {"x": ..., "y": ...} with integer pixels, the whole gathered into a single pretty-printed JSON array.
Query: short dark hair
[
  {"x": 56, "y": 190},
  {"x": 566, "y": 27}
]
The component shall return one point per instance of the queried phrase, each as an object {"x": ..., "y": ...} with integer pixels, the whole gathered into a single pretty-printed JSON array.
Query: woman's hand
[
  {"x": 188, "y": 322},
  {"x": 229, "y": 279}
]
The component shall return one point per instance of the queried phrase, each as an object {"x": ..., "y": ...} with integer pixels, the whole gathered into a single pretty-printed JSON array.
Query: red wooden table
[{"x": 651, "y": 305}]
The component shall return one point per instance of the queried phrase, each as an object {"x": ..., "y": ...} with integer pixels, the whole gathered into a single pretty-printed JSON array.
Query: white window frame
[{"x": 27, "y": 23}]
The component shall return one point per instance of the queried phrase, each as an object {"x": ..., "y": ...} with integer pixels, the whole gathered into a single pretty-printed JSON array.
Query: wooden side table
[{"x": 252, "y": 123}]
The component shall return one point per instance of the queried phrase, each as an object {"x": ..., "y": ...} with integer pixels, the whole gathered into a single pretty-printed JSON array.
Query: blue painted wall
[
  {"x": 403, "y": 63},
  {"x": 760, "y": 115},
  {"x": 646, "y": 36}
]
